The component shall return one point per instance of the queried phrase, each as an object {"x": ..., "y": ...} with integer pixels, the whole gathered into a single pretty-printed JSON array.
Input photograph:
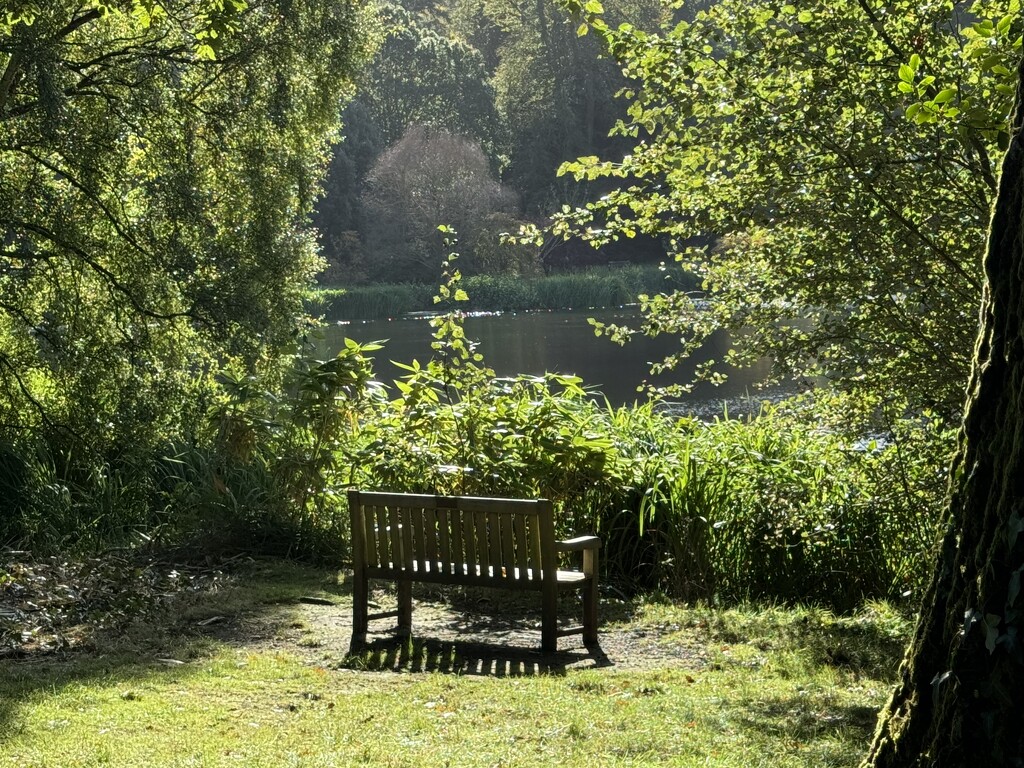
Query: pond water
[{"x": 557, "y": 342}]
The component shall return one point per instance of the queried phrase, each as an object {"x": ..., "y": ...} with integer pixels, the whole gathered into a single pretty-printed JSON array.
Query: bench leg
[
  {"x": 360, "y": 608},
  {"x": 590, "y": 596},
  {"x": 404, "y": 608},
  {"x": 549, "y": 617}
]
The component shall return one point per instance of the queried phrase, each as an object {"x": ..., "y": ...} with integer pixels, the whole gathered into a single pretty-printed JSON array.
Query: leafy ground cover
[{"x": 248, "y": 664}]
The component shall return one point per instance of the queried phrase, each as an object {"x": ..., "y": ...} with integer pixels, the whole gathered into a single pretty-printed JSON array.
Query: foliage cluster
[{"x": 159, "y": 164}]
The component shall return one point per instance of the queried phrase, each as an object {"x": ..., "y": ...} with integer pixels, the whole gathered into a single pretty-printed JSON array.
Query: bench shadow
[{"x": 469, "y": 657}]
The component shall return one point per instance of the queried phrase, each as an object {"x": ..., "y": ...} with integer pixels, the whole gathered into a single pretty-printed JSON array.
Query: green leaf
[
  {"x": 593, "y": 6},
  {"x": 945, "y": 95},
  {"x": 906, "y": 73},
  {"x": 805, "y": 16}
]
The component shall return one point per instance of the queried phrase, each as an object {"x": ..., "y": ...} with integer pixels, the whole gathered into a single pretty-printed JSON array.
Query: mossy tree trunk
[{"x": 960, "y": 701}]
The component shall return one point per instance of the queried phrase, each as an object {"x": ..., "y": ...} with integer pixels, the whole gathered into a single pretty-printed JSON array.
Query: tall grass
[
  {"x": 503, "y": 293},
  {"x": 763, "y": 508},
  {"x": 766, "y": 508}
]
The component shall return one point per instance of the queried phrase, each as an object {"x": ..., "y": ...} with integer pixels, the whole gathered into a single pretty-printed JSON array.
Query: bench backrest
[{"x": 454, "y": 539}]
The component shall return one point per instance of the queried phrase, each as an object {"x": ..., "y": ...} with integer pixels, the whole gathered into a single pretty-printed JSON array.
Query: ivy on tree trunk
[{"x": 960, "y": 701}]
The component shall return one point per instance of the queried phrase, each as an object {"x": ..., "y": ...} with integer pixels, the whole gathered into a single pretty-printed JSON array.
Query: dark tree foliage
[
  {"x": 422, "y": 76},
  {"x": 339, "y": 214}
]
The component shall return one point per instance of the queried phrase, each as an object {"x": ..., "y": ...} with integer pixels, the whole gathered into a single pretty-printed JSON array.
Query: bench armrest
[{"x": 578, "y": 544}]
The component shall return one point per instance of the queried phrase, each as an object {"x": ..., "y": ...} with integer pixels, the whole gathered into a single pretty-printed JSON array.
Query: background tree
[
  {"x": 339, "y": 213},
  {"x": 430, "y": 176},
  {"x": 515, "y": 78},
  {"x": 556, "y": 94},
  {"x": 423, "y": 76},
  {"x": 961, "y": 697},
  {"x": 154, "y": 205}
]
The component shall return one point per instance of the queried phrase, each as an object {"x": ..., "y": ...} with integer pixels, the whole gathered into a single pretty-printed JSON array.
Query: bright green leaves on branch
[
  {"x": 217, "y": 21},
  {"x": 982, "y": 103},
  {"x": 772, "y": 149}
]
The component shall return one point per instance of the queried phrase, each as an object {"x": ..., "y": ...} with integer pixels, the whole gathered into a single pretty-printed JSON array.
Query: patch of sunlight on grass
[{"x": 780, "y": 688}]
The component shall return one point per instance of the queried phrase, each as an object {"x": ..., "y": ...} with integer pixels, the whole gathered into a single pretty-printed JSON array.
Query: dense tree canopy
[
  {"x": 840, "y": 155},
  {"x": 423, "y": 76},
  {"x": 159, "y": 162},
  {"x": 513, "y": 77},
  {"x": 556, "y": 93}
]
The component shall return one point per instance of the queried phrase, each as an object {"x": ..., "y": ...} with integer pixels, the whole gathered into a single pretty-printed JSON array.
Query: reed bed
[{"x": 602, "y": 287}]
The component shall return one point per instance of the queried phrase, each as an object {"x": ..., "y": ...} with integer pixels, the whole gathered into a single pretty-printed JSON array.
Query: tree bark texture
[{"x": 960, "y": 699}]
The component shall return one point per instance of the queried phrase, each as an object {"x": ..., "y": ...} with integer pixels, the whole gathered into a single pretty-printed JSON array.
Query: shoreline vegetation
[{"x": 591, "y": 289}]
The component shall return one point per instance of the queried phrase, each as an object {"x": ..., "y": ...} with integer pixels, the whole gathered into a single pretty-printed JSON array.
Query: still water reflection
[{"x": 557, "y": 342}]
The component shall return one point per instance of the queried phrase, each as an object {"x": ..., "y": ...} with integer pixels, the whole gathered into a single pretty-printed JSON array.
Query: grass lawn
[{"x": 254, "y": 673}]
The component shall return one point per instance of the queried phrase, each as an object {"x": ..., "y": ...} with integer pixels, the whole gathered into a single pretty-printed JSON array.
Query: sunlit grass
[{"x": 768, "y": 694}]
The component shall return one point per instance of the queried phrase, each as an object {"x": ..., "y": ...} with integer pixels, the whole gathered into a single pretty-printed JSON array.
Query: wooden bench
[{"x": 466, "y": 540}]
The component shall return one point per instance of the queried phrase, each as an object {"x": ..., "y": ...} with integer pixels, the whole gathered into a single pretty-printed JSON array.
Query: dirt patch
[
  {"x": 51, "y": 607},
  {"x": 477, "y": 632}
]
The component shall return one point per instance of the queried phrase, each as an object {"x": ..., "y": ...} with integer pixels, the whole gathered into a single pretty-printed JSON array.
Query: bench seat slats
[{"x": 434, "y": 572}]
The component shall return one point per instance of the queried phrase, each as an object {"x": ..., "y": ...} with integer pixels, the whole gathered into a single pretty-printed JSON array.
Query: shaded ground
[
  {"x": 482, "y": 632},
  {"x": 52, "y": 608}
]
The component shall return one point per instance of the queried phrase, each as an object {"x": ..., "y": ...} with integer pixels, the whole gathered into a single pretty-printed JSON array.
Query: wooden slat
[
  {"x": 418, "y": 538},
  {"x": 535, "y": 550},
  {"x": 367, "y": 528},
  {"x": 470, "y": 580},
  {"x": 395, "y": 537},
  {"x": 468, "y": 503},
  {"x": 522, "y": 545},
  {"x": 381, "y": 535},
  {"x": 431, "y": 534},
  {"x": 456, "y": 556},
  {"x": 508, "y": 549},
  {"x": 405, "y": 514},
  {"x": 494, "y": 539},
  {"x": 468, "y": 542},
  {"x": 444, "y": 539},
  {"x": 483, "y": 549}
]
